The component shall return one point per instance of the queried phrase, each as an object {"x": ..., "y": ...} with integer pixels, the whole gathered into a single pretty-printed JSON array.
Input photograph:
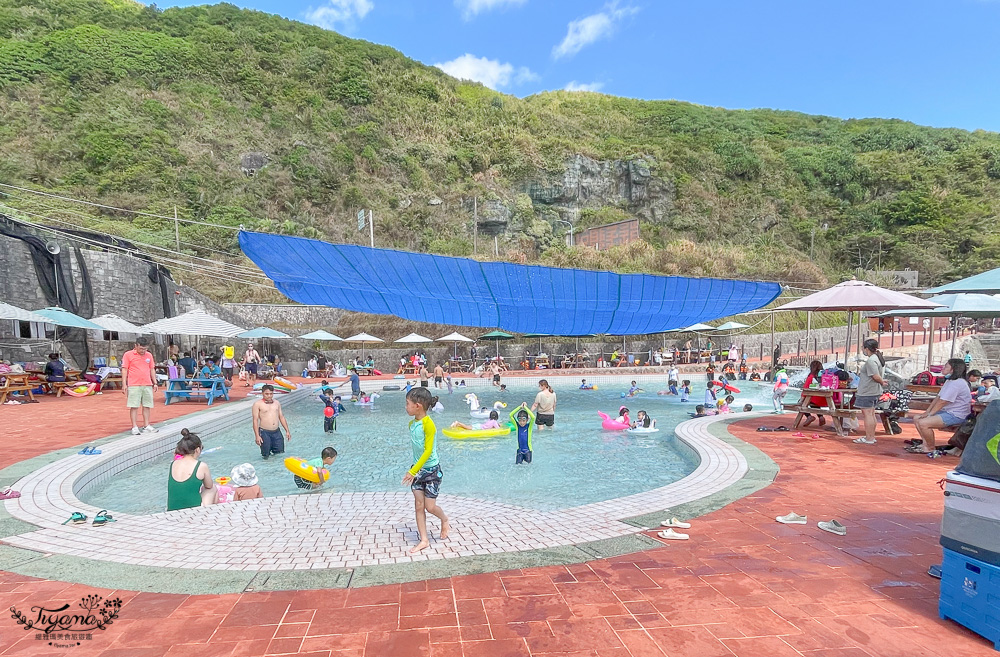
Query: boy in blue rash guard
[
  {"x": 424, "y": 476},
  {"x": 524, "y": 421}
]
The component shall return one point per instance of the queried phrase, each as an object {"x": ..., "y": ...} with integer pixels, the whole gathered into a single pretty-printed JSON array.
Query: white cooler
[{"x": 970, "y": 524}]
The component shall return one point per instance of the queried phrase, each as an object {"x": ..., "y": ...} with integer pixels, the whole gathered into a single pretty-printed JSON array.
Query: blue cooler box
[{"x": 970, "y": 594}]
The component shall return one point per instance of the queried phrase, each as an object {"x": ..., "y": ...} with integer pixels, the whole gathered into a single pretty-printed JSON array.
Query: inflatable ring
[
  {"x": 223, "y": 481},
  {"x": 476, "y": 434},
  {"x": 301, "y": 468},
  {"x": 588, "y": 388},
  {"x": 81, "y": 390},
  {"x": 611, "y": 424},
  {"x": 282, "y": 382},
  {"x": 728, "y": 387},
  {"x": 640, "y": 430},
  {"x": 391, "y": 388}
]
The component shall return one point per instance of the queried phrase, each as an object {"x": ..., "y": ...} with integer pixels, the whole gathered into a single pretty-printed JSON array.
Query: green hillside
[{"x": 138, "y": 108}]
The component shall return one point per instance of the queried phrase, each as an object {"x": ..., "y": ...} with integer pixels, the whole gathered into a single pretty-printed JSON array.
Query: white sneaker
[
  {"x": 674, "y": 522},
  {"x": 792, "y": 519},
  {"x": 833, "y": 527},
  {"x": 150, "y": 429},
  {"x": 135, "y": 431},
  {"x": 864, "y": 441},
  {"x": 671, "y": 534}
]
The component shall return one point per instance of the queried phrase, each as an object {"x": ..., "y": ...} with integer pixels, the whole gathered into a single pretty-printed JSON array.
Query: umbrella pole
[
  {"x": 847, "y": 346},
  {"x": 954, "y": 334}
]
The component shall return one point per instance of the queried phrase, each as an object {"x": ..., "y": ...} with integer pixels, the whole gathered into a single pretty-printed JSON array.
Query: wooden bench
[
  {"x": 840, "y": 414},
  {"x": 15, "y": 383}
]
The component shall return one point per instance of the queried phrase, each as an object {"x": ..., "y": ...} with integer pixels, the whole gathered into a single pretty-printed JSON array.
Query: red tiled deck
[{"x": 743, "y": 585}]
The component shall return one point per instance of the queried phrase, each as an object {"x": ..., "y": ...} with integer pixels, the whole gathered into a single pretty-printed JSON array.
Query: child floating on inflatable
[
  {"x": 314, "y": 472},
  {"x": 643, "y": 421},
  {"x": 587, "y": 386},
  {"x": 523, "y": 420},
  {"x": 632, "y": 391},
  {"x": 492, "y": 423}
]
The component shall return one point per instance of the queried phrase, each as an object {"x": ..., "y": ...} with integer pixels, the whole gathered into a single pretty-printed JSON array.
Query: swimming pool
[{"x": 577, "y": 463}]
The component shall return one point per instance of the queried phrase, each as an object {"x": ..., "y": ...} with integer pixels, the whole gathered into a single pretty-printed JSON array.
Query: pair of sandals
[
  {"x": 916, "y": 446},
  {"x": 89, "y": 451},
  {"x": 102, "y": 518},
  {"x": 9, "y": 493}
]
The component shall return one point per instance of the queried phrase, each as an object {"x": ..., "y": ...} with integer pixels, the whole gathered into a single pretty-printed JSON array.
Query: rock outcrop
[{"x": 588, "y": 183}]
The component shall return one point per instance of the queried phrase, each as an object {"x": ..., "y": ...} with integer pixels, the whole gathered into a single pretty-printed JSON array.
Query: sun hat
[{"x": 244, "y": 475}]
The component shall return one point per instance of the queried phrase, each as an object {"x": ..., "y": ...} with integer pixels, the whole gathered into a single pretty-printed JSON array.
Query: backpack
[{"x": 828, "y": 379}]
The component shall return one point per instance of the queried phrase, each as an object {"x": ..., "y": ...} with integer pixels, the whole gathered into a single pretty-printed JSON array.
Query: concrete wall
[{"x": 287, "y": 315}]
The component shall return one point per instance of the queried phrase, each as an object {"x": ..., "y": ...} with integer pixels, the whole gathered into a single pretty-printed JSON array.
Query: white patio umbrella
[
  {"x": 455, "y": 337},
  {"x": 852, "y": 296},
  {"x": 263, "y": 332},
  {"x": 112, "y": 322},
  {"x": 194, "y": 322},
  {"x": 321, "y": 335},
  {"x": 8, "y": 311},
  {"x": 412, "y": 338},
  {"x": 363, "y": 338}
]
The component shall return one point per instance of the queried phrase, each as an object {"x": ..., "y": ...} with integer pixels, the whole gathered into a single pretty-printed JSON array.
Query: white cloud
[
  {"x": 583, "y": 86},
  {"x": 339, "y": 14},
  {"x": 491, "y": 72},
  {"x": 585, "y": 31},
  {"x": 472, "y": 7}
]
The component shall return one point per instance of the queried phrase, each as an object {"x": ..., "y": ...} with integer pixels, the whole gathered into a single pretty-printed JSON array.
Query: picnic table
[
  {"x": 209, "y": 388},
  {"x": 837, "y": 411},
  {"x": 363, "y": 370},
  {"x": 15, "y": 383}
]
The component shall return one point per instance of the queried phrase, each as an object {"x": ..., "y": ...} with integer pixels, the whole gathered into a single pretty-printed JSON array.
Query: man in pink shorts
[{"x": 139, "y": 384}]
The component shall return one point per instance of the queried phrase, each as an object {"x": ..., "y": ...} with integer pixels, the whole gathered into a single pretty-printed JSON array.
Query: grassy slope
[{"x": 146, "y": 110}]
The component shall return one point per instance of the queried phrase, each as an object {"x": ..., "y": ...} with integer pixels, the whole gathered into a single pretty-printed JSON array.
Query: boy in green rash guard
[
  {"x": 523, "y": 420},
  {"x": 424, "y": 476}
]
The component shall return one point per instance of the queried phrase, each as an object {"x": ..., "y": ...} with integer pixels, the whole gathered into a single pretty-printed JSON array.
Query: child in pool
[
  {"x": 710, "y": 396},
  {"x": 623, "y": 417},
  {"x": 725, "y": 405},
  {"x": 447, "y": 380},
  {"x": 643, "y": 421},
  {"x": 699, "y": 411},
  {"x": 524, "y": 421},
  {"x": 492, "y": 423},
  {"x": 586, "y": 386},
  {"x": 780, "y": 388},
  {"x": 685, "y": 390},
  {"x": 245, "y": 486},
  {"x": 325, "y": 460},
  {"x": 747, "y": 408},
  {"x": 633, "y": 390},
  {"x": 364, "y": 398},
  {"x": 424, "y": 476}
]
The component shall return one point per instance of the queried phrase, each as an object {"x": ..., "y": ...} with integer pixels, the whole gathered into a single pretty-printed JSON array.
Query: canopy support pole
[
  {"x": 809, "y": 323},
  {"x": 930, "y": 345},
  {"x": 772, "y": 344}
]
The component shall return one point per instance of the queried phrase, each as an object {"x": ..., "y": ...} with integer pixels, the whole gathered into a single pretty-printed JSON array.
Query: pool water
[{"x": 576, "y": 463}]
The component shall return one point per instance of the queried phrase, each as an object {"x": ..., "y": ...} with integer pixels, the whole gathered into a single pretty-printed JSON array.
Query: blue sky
[{"x": 931, "y": 62}]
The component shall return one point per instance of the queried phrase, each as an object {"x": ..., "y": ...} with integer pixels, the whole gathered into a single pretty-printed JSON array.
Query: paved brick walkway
[{"x": 743, "y": 585}]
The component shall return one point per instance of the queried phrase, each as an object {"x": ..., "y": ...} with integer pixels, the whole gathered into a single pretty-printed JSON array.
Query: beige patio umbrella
[
  {"x": 856, "y": 296},
  {"x": 363, "y": 338}
]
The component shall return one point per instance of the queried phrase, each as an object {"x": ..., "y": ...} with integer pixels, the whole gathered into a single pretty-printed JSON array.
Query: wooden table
[
  {"x": 209, "y": 388},
  {"x": 542, "y": 362},
  {"x": 15, "y": 383}
]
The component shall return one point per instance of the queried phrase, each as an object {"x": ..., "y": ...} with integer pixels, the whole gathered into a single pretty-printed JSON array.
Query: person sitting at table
[
  {"x": 211, "y": 370},
  {"x": 949, "y": 409},
  {"x": 312, "y": 365},
  {"x": 55, "y": 369},
  {"x": 990, "y": 391},
  {"x": 189, "y": 364},
  {"x": 813, "y": 381},
  {"x": 370, "y": 363},
  {"x": 615, "y": 358},
  {"x": 402, "y": 366}
]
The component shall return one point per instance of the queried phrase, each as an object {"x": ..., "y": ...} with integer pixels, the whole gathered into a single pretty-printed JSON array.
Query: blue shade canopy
[
  {"x": 518, "y": 298},
  {"x": 62, "y": 317},
  {"x": 986, "y": 283},
  {"x": 263, "y": 332}
]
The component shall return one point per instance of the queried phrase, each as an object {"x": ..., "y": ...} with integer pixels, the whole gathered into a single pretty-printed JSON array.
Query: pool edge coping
[{"x": 760, "y": 472}]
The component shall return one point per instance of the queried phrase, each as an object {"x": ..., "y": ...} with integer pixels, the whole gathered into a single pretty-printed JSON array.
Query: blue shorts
[{"x": 949, "y": 419}]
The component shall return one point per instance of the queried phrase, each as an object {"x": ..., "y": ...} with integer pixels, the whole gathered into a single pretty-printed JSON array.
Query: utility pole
[
  {"x": 371, "y": 227},
  {"x": 177, "y": 230},
  {"x": 496, "y": 246},
  {"x": 475, "y": 224}
]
